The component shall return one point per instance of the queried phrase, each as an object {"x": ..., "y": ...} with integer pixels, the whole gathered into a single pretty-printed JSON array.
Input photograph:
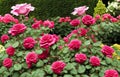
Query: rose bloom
[
  {"x": 88, "y": 20},
  {"x": 106, "y": 16},
  {"x": 107, "y": 51},
  {"x": 74, "y": 44},
  {"x": 97, "y": 17},
  {"x": 113, "y": 19},
  {"x": 17, "y": 29},
  {"x": 80, "y": 58},
  {"x": 80, "y": 10},
  {"x": 44, "y": 54},
  {"x": 82, "y": 31},
  {"x": 48, "y": 23},
  {"x": 10, "y": 51},
  {"x": 94, "y": 61},
  {"x": 31, "y": 57},
  {"x": 111, "y": 73},
  {"x": 75, "y": 22},
  {"x": 57, "y": 67},
  {"x": 37, "y": 24},
  {"x": 4, "y": 38},
  {"x": 47, "y": 40},
  {"x": 22, "y": 9},
  {"x": 7, "y": 62},
  {"x": 66, "y": 39},
  {"x": 29, "y": 43}
]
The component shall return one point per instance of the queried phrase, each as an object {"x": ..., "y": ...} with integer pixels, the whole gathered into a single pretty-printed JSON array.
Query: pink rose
[
  {"x": 48, "y": 23},
  {"x": 80, "y": 10},
  {"x": 107, "y": 51},
  {"x": 47, "y": 40},
  {"x": 4, "y": 38},
  {"x": 67, "y": 19},
  {"x": 113, "y": 19},
  {"x": 7, "y": 62},
  {"x": 94, "y": 61},
  {"x": 111, "y": 73},
  {"x": 17, "y": 29},
  {"x": 57, "y": 67},
  {"x": 10, "y": 51},
  {"x": 80, "y": 58},
  {"x": 44, "y": 54},
  {"x": 82, "y": 31},
  {"x": 66, "y": 39},
  {"x": 88, "y": 20},
  {"x": 106, "y": 16},
  {"x": 118, "y": 17},
  {"x": 31, "y": 57},
  {"x": 75, "y": 22},
  {"x": 37, "y": 24},
  {"x": 62, "y": 19},
  {"x": 74, "y": 44},
  {"x": 29, "y": 43},
  {"x": 97, "y": 17},
  {"x": 22, "y": 9}
]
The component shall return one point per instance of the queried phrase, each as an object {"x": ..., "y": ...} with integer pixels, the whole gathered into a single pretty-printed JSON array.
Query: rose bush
[{"x": 31, "y": 51}]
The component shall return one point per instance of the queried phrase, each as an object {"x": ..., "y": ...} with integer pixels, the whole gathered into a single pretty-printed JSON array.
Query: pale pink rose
[
  {"x": 22, "y": 9},
  {"x": 80, "y": 10}
]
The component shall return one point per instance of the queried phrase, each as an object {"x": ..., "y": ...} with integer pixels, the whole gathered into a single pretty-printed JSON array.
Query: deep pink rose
[
  {"x": 47, "y": 40},
  {"x": 44, "y": 54},
  {"x": 48, "y": 23},
  {"x": 57, "y": 67},
  {"x": 66, "y": 39},
  {"x": 29, "y": 43},
  {"x": 106, "y": 16},
  {"x": 67, "y": 19},
  {"x": 7, "y": 62},
  {"x": 37, "y": 24},
  {"x": 4, "y": 38},
  {"x": 111, "y": 73},
  {"x": 113, "y": 19},
  {"x": 56, "y": 37},
  {"x": 10, "y": 51},
  {"x": 107, "y": 51},
  {"x": 31, "y": 57},
  {"x": 88, "y": 20},
  {"x": 62, "y": 19},
  {"x": 74, "y": 44},
  {"x": 21, "y": 9},
  {"x": 80, "y": 58},
  {"x": 82, "y": 31},
  {"x": 118, "y": 17},
  {"x": 17, "y": 29},
  {"x": 80, "y": 10},
  {"x": 97, "y": 17},
  {"x": 94, "y": 61},
  {"x": 75, "y": 22}
]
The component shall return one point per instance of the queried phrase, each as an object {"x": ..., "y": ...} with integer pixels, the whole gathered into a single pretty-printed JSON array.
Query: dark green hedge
[{"x": 49, "y": 8}]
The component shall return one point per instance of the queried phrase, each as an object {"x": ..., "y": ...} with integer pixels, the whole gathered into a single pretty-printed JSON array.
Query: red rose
[
  {"x": 47, "y": 40},
  {"x": 94, "y": 61},
  {"x": 10, "y": 51},
  {"x": 58, "y": 66},
  {"x": 37, "y": 24},
  {"x": 7, "y": 62},
  {"x": 80, "y": 58},
  {"x": 111, "y": 73},
  {"x": 31, "y": 57},
  {"x": 17, "y": 29},
  {"x": 44, "y": 54},
  {"x": 29, "y": 43},
  {"x": 75, "y": 22},
  {"x": 74, "y": 44},
  {"x": 88, "y": 20},
  {"x": 4, "y": 38},
  {"x": 107, "y": 51}
]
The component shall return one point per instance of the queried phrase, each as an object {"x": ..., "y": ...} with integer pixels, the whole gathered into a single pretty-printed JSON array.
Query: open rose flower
[
  {"x": 37, "y": 24},
  {"x": 75, "y": 22},
  {"x": 111, "y": 73},
  {"x": 49, "y": 24},
  {"x": 7, "y": 62},
  {"x": 74, "y": 44},
  {"x": 29, "y": 43},
  {"x": 94, "y": 61},
  {"x": 31, "y": 57},
  {"x": 10, "y": 51},
  {"x": 80, "y": 58},
  {"x": 47, "y": 40},
  {"x": 107, "y": 51},
  {"x": 57, "y": 67},
  {"x": 17, "y": 29},
  {"x": 82, "y": 31},
  {"x": 4, "y": 38},
  {"x": 22, "y": 9},
  {"x": 80, "y": 10},
  {"x": 44, "y": 54}
]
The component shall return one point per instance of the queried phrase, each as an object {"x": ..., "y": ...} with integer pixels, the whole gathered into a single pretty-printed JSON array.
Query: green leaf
[
  {"x": 25, "y": 74},
  {"x": 2, "y": 69},
  {"x": 67, "y": 75},
  {"x": 16, "y": 74},
  {"x": 88, "y": 67},
  {"x": 54, "y": 46},
  {"x": 73, "y": 71},
  {"x": 97, "y": 44},
  {"x": 39, "y": 51},
  {"x": 17, "y": 67},
  {"x": 20, "y": 53},
  {"x": 81, "y": 69},
  {"x": 40, "y": 63},
  {"x": 69, "y": 66},
  {"x": 87, "y": 42},
  {"x": 48, "y": 69},
  {"x": 16, "y": 44},
  {"x": 85, "y": 76},
  {"x": 65, "y": 50},
  {"x": 94, "y": 75},
  {"x": 108, "y": 60},
  {"x": 38, "y": 73}
]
